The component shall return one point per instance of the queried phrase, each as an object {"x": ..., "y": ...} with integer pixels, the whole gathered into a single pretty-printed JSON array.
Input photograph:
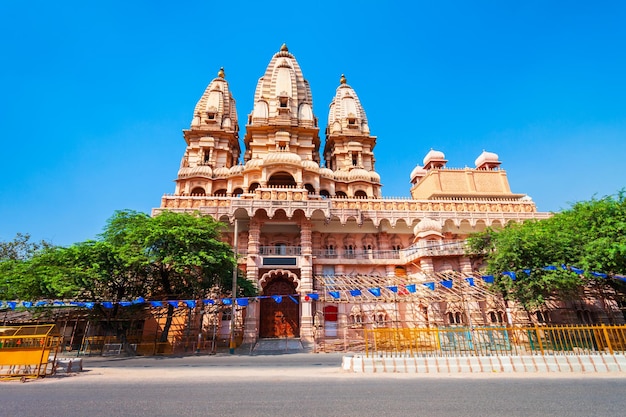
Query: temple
[{"x": 309, "y": 222}]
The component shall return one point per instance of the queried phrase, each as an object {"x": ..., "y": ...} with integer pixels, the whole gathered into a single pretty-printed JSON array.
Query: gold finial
[
  {"x": 220, "y": 73},
  {"x": 284, "y": 48},
  {"x": 343, "y": 80}
]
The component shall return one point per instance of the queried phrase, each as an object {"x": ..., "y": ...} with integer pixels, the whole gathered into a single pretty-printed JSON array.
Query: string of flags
[
  {"x": 490, "y": 278},
  {"x": 313, "y": 296}
]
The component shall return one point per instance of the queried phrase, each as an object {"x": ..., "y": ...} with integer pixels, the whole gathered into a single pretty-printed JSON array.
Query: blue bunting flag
[{"x": 375, "y": 291}]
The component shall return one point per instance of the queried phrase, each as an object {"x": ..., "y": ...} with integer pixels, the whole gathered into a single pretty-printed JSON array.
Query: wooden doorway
[{"x": 280, "y": 319}]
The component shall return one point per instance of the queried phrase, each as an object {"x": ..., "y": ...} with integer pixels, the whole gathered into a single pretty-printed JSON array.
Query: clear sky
[{"x": 94, "y": 95}]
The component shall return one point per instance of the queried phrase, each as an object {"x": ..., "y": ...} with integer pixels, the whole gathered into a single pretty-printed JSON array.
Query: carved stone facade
[{"x": 299, "y": 219}]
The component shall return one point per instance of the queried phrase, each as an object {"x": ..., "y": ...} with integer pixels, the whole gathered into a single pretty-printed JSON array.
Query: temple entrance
[{"x": 280, "y": 316}]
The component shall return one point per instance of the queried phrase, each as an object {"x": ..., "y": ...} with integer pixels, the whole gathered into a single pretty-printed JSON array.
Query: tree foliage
[
  {"x": 591, "y": 236},
  {"x": 168, "y": 257}
]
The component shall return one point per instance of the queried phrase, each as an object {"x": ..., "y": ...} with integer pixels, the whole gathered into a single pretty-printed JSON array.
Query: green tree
[
  {"x": 591, "y": 235},
  {"x": 176, "y": 256}
]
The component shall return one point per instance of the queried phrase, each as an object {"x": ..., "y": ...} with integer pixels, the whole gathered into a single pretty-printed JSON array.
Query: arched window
[
  {"x": 198, "y": 191},
  {"x": 360, "y": 194},
  {"x": 237, "y": 191},
  {"x": 253, "y": 187},
  {"x": 221, "y": 192},
  {"x": 324, "y": 193},
  {"x": 310, "y": 188},
  {"x": 281, "y": 179},
  {"x": 341, "y": 194}
]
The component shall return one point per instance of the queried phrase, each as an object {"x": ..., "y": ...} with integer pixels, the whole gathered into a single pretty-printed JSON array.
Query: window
[{"x": 283, "y": 101}]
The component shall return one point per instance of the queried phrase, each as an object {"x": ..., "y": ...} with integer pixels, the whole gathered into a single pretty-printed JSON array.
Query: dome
[
  {"x": 374, "y": 176},
  {"x": 283, "y": 158},
  {"x": 489, "y": 158},
  {"x": 418, "y": 171},
  {"x": 221, "y": 172},
  {"x": 433, "y": 155},
  {"x": 346, "y": 112},
  {"x": 236, "y": 169},
  {"x": 253, "y": 164},
  {"x": 283, "y": 91},
  {"x": 200, "y": 171},
  {"x": 428, "y": 227},
  {"x": 216, "y": 108},
  {"x": 341, "y": 175},
  {"x": 184, "y": 172},
  {"x": 310, "y": 165},
  {"x": 359, "y": 174},
  {"x": 327, "y": 173}
]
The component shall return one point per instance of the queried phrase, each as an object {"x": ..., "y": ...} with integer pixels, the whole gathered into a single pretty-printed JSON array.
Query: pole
[{"x": 234, "y": 292}]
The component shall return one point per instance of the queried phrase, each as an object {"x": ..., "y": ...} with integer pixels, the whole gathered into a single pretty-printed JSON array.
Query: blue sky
[{"x": 93, "y": 97}]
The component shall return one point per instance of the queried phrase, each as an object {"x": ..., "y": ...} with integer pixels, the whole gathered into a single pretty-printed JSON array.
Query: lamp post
[{"x": 234, "y": 292}]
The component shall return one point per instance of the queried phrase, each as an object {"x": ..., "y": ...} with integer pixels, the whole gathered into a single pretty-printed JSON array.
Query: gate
[{"x": 280, "y": 317}]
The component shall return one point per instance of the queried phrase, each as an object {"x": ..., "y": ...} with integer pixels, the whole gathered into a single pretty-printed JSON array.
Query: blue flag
[
  {"x": 190, "y": 303},
  {"x": 157, "y": 304},
  {"x": 510, "y": 274},
  {"x": 447, "y": 283},
  {"x": 314, "y": 296},
  {"x": 173, "y": 303},
  {"x": 294, "y": 299},
  {"x": 488, "y": 279},
  {"x": 430, "y": 285},
  {"x": 334, "y": 294},
  {"x": 277, "y": 298},
  {"x": 393, "y": 288},
  {"x": 411, "y": 288},
  {"x": 242, "y": 302},
  {"x": 227, "y": 301},
  {"x": 107, "y": 304},
  {"x": 355, "y": 293},
  {"x": 470, "y": 281},
  {"x": 375, "y": 291}
]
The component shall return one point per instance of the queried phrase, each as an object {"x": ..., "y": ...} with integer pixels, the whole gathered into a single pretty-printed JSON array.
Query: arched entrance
[{"x": 280, "y": 316}]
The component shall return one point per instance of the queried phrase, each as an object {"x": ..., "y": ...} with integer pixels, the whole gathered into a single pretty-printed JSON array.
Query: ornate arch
[{"x": 269, "y": 276}]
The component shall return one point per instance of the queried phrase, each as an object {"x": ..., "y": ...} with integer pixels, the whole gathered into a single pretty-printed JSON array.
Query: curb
[{"x": 600, "y": 364}]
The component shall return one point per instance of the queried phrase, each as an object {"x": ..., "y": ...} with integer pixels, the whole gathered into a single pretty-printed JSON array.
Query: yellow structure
[
  {"x": 305, "y": 211},
  {"x": 27, "y": 351}
]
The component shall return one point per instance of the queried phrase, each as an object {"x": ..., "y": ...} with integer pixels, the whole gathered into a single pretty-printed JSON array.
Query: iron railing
[{"x": 496, "y": 340}]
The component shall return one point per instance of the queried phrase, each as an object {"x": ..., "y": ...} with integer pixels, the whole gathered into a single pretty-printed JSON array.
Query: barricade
[
  {"x": 496, "y": 340},
  {"x": 28, "y": 351}
]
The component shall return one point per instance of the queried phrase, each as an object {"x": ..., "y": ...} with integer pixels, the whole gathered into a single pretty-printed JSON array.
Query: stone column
[
  {"x": 306, "y": 281},
  {"x": 465, "y": 264},
  {"x": 251, "y": 331}
]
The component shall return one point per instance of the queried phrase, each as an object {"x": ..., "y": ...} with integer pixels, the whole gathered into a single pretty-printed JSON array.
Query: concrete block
[
  {"x": 474, "y": 364},
  {"x": 611, "y": 363},
  {"x": 552, "y": 364},
  {"x": 598, "y": 363},
  {"x": 563, "y": 363},
  {"x": 68, "y": 365},
  {"x": 540, "y": 363},
  {"x": 505, "y": 364},
  {"x": 518, "y": 364}
]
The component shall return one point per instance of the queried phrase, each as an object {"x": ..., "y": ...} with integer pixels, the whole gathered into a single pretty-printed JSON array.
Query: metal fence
[{"x": 493, "y": 341}]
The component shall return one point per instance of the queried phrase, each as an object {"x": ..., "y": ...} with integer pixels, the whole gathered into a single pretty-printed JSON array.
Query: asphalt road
[{"x": 300, "y": 385}]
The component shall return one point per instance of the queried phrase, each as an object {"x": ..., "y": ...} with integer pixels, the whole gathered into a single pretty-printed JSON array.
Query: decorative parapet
[{"x": 290, "y": 199}]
